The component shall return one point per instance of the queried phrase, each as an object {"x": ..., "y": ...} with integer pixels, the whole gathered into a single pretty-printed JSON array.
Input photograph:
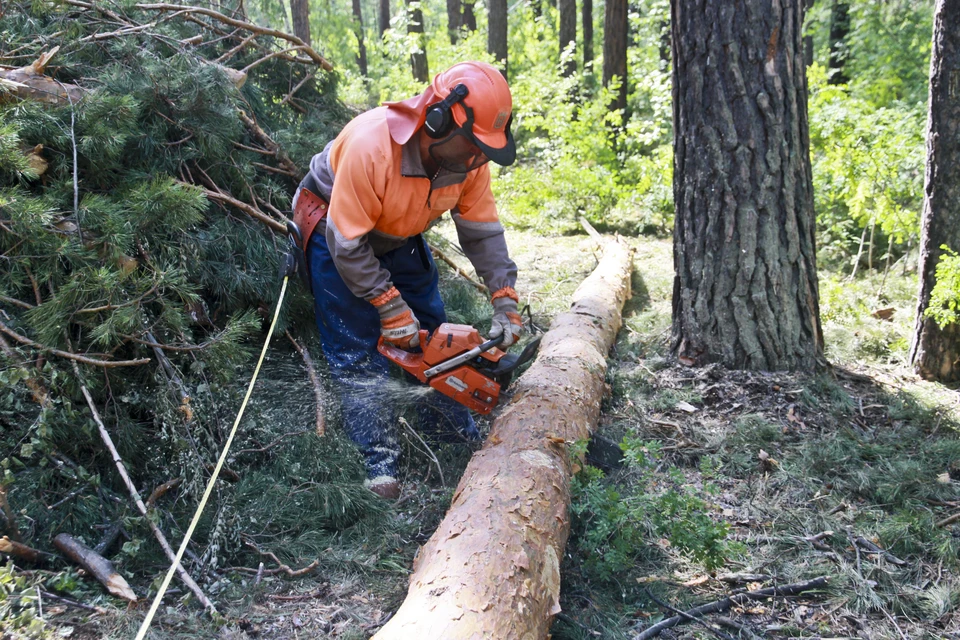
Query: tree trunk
[
  {"x": 497, "y": 32},
  {"x": 421, "y": 70},
  {"x": 300, "y": 12},
  {"x": 492, "y": 568},
  {"x": 615, "y": 51},
  {"x": 358, "y": 27},
  {"x": 384, "y": 16},
  {"x": 936, "y": 351},
  {"x": 568, "y": 35},
  {"x": 453, "y": 19},
  {"x": 839, "y": 28},
  {"x": 745, "y": 290},
  {"x": 469, "y": 17},
  {"x": 587, "y": 18}
]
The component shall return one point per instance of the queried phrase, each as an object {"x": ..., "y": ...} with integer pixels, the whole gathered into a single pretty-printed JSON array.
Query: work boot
[{"x": 387, "y": 487}]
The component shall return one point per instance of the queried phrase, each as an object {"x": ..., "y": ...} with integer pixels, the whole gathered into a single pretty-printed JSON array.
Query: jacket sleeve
[
  {"x": 355, "y": 206},
  {"x": 481, "y": 234}
]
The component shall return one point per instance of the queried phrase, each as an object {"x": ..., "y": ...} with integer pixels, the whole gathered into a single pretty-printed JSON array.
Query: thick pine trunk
[
  {"x": 469, "y": 17},
  {"x": 384, "y": 16},
  {"x": 839, "y": 28},
  {"x": 453, "y": 19},
  {"x": 497, "y": 33},
  {"x": 745, "y": 290},
  {"x": 492, "y": 568},
  {"x": 615, "y": 50},
  {"x": 300, "y": 11},
  {"x": 936, "y": 352},
  {"x": 358, "y": 27},
  {"x": 421, "y": 70},
  {"x": 568, "y": 34},
  {"x": 586, "y": 17}
]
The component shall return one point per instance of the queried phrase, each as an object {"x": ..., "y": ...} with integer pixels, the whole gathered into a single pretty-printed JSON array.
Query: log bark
[
  {"x": 492, "y": 568},
  {"x": 746, "y": 291},
  {"x": 96, "y": 565},
  {"x": 935, "y": 353}
]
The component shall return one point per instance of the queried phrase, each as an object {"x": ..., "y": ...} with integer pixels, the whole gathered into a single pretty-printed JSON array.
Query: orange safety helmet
[
  {"x": 470, "y": 100},
  {"x": 475, "y": 97}
]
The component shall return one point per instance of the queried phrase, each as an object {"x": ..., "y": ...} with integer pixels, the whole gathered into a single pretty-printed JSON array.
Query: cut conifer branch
[
  {"x": 492, "y": 568},
  {"x": 71, "y": 356},
  {"x": 132, "y": 489},
  {"x": 321, "y": 424},
  {"x": 482, "y": 288},
  {"x": 96, "y": 565}
]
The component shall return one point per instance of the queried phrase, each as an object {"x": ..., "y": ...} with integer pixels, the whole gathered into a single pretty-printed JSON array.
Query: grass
[{"x": 870, "y": 453}]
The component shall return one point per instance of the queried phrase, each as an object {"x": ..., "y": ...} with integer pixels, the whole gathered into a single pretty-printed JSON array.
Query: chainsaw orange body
[{"x": 458, "y": 363}]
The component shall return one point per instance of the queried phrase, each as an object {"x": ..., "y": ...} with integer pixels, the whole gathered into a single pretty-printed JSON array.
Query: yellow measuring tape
[{"x": 213, "y": 478}]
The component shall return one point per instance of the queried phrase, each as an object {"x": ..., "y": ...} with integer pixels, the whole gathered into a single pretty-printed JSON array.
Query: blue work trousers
[{"x": 349, "y": 330}]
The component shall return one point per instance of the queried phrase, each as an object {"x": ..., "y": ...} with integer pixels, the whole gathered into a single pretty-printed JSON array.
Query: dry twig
[
  {"x": 463, "y": 274},
  {"x": 315, "y": 380}
]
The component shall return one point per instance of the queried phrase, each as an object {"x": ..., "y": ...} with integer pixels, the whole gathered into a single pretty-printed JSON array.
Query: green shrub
[{"x": 945, "y": 297}]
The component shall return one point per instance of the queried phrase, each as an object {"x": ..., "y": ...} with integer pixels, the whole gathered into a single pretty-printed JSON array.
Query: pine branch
[{"x": 71, "y": 356}]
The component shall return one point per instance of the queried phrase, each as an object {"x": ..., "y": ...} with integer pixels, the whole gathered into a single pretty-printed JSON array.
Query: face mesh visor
[{"x": 458, "y": 152}]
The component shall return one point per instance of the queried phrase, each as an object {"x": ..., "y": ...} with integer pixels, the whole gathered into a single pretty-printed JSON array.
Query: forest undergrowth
[{"x": 700, "y": 482}]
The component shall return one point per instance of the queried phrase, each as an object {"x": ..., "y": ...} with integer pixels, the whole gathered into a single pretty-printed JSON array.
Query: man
[{"x": 373, "y": 190}]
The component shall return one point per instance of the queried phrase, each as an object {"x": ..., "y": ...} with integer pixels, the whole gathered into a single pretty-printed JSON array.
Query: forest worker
[{"x": 371, "y": 193}]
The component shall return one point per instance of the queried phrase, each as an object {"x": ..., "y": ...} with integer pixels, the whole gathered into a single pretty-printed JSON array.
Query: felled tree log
[
  {"x": 21, "y": 551},
  {"x": 96, "y": 565},
  {"x": 492, "y": 568}
]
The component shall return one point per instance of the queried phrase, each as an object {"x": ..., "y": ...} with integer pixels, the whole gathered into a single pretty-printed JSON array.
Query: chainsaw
[{"x": 455, "y": 361}]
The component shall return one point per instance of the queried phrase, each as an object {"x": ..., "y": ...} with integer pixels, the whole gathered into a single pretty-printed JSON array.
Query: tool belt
[{"x": 310, "y": 209}]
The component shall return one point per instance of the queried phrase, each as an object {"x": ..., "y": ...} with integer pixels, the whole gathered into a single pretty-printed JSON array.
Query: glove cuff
[
  {"x": 385, "y": 297},
  {"x": 505, "y": 292}
]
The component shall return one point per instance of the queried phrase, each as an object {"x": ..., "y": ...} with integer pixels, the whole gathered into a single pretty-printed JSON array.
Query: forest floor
[{"x": 722, "y": 480}]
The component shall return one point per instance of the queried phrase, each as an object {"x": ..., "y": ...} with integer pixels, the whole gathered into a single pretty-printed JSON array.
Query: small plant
[
  {"x": 19, "y": 606},
  {"x": 945, "y": 297}
]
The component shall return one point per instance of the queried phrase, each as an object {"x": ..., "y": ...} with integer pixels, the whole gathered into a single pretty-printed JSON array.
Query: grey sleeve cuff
[
  {"x": 486, "y": 247},
  {"x": 356, "y": 264}
]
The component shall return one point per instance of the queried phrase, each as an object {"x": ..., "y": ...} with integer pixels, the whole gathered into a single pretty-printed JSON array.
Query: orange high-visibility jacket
[{"x": 380, "y": 196}]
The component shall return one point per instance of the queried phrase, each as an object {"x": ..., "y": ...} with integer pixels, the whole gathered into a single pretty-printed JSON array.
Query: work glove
[
  {"x": 506, "y": 321},
  {"x": 398, "y": 325}
]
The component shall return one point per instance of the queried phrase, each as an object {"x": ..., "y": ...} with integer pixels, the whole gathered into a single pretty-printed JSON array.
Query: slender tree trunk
[
  {"x": 615, "y": 50},
  {"x": 453, "y": 19},
  {"x": 384, "y": 16},
  {"x": 421, "y": 70},
  {"x": 587, "y": 19},
  {"x": 497, "y": 32},
  {"x": 492, "y": 568},
  {"x": 936, "y": 351},
  {"x": 568, "y": 34},
  {"x": 361, "y": 48},
  {"x": 745, "y": 291},
  {"x": 839, "y": 28},
  {"x": 469, "y": 17},
  {"x": 300, "y": 12}
]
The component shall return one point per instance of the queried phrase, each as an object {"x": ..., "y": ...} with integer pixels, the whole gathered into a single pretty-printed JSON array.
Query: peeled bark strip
[
  {"x": 492, "y": 568},
  {"x": 95, "y": 564}
]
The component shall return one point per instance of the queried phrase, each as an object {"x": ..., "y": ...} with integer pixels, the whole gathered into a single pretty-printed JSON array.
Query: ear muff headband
[{"x": 439, "y": 117}]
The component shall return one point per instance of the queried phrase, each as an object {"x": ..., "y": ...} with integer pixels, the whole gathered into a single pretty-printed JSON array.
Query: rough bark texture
[
  {"x": 300, "y": 10},
  {"x": 358, "y": 29},
  {"x": 615, "y": 49},
  {"x": 492, "y": 569},
  {"x": 453, "y": 19},
  {"x": 568, "y": 33},
  {"x": 421, "y": 70},
  {"x": 839, "y": 28},
  {"x": 586, "y": 12},
  {"x": 384, "y": 15},
  {"x": 469, "y": 17},
  {"x": 497, "y": 33},
  {"x": 936, "y": 352},
  {"x": 745, "y": 289}
]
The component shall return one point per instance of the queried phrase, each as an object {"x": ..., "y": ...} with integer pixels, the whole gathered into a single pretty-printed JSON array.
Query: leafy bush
[{"x": 945, "y": 297}]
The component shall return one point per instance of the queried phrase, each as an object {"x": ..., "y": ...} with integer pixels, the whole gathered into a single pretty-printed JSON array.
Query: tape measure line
[{"x": 213, "y": 478}]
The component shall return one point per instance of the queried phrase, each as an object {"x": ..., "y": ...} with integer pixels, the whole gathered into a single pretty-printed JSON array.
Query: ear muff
[{"x": 439, "y": 120}]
